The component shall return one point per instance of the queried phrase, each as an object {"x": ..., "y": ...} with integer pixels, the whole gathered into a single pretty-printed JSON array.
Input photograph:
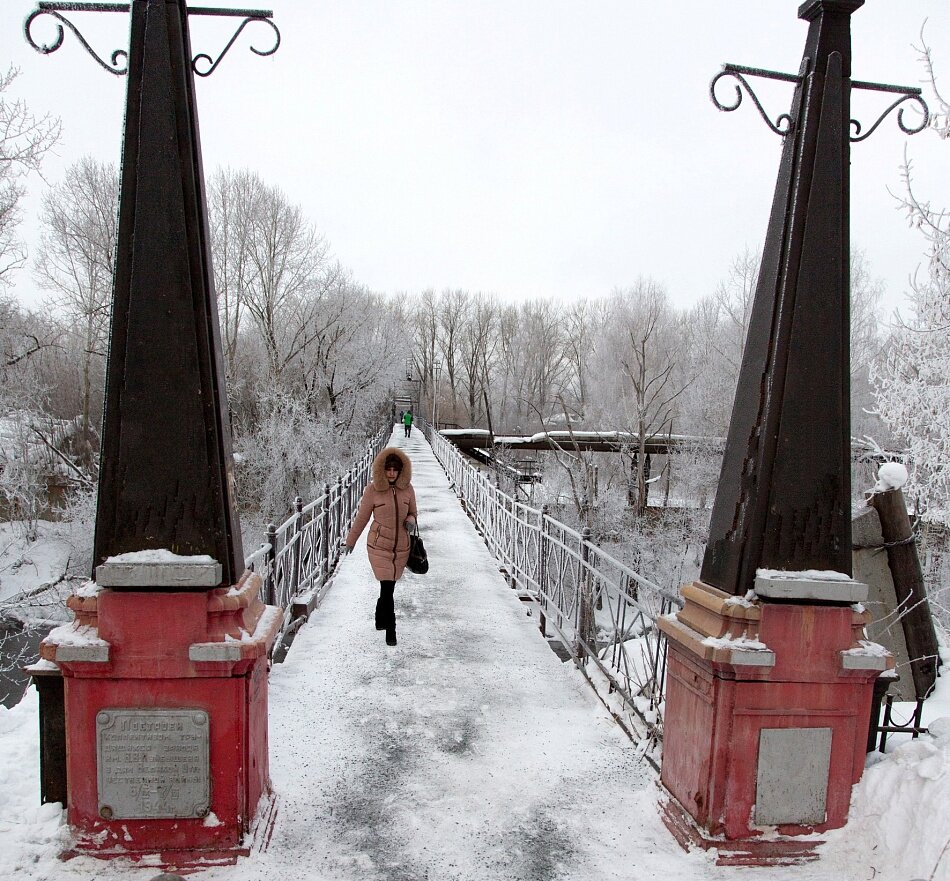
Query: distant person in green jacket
[{"x": 407, "y": 422}]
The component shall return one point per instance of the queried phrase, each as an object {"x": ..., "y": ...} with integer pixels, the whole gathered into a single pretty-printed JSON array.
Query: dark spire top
[
  {"x": 784, "y": 497},
  {"x": 166, "y": 476}
]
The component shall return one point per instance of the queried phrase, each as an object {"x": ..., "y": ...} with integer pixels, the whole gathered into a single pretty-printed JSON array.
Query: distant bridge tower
[{"x": 407, "y": 392}]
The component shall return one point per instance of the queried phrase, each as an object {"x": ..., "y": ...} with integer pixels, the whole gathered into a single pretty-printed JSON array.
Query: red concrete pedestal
[
  {"x": 199, "y": 659},
  {"x": 765, "y": 728}
]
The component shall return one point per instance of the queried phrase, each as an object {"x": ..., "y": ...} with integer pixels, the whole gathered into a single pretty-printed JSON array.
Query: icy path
[{"x": 468, "y": 751}]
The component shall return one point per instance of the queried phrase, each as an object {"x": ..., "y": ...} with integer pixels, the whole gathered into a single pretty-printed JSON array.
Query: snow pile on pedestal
[
  {"x": 891, "y": 475},
  {"x": 803, "y": 574},
  {"x": 76, "y": 634},
  {"x": 159, "y": 555},
  {"x": 742, "y": 643}
]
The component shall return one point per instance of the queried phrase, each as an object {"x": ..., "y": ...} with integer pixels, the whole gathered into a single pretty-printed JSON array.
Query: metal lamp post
[{"x": 437, "y": 376}]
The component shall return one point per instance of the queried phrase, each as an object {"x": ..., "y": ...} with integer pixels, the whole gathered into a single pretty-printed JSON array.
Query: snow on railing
[
  {"x": 601, "y": 610},
  {"x": 299, "y": 556}
]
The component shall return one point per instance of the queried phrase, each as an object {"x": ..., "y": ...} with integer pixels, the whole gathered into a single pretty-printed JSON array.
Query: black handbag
[{"x": 418, "y": 561}]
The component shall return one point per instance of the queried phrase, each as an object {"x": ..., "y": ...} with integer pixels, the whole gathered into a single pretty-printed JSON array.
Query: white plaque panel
[
  {"x": 792, "y": 778},
  {"x": 152, "y": 763}
]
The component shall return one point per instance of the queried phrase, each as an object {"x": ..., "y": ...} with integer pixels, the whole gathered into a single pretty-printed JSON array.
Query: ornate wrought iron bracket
[
  {"x": 250, "y": 16},
  {"x": 907, "y": 93},
  {"x": 120, "y": 58},
  {"x": 55, "y": 10},
  {"x": 784, "y": 123}
]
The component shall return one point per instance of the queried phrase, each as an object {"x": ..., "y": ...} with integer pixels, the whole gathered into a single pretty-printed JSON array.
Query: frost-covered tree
[
  {"x": 867, "y": 343},
  {"x": 453, "y": 307},
  {"x": 75, "y": 264},
  {"x": 231, "y": 196},
  {"x": 706, "y": 405},
  {"x": 478, "y": 345},
  {"x": 733, "y": 297},
  {"x": 716, "y": 329},
  {"x": 537, "y": 354},
  {"x": 25, "y": 139},
  {"x": 272, "y": 269},
  {"x": 912, "y": 381},
  {"x": 22, "y": 494},
  {"x": 583, "y": 320},
  {"x": 354, "y": 358},
  {"x": 423, "y": 320},
  {"x": 286, "y": 453},
  {"x": 718, "y": 326},
  {"x": 638, "y": 363},
  {"x": 305, "y": 346}
]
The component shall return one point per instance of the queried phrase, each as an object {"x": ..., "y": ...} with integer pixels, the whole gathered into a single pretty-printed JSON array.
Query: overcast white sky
[{"x": 521, "y": 147}]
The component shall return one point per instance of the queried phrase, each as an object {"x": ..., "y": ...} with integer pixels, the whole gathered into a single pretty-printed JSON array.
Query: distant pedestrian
[
  {"x": 402, "y": 416},
  {"x": 407, "y": 422},
  {"x": 391, "y": 501}
]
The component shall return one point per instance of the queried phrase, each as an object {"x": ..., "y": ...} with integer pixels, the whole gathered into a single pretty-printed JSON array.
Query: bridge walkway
[{"x": 468, "y": 751}]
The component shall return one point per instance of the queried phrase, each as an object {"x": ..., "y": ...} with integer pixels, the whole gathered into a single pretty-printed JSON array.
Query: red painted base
[
  {"x": 778, "y": 850},
  {"x": 133, "y": 651},
  {"x": 181, "y": 862},
  {"x": 806, "y": 670},
  {"x": 189, "y": 861}
]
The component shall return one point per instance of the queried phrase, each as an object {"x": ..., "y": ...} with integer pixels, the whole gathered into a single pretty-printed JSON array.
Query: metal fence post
[
  {"x": 270, "y": 565},
  {"x": 586, "y": 631},
  {"x": 298, "y": 530},
  {"x": 348, "y": 481},
  {"x": 339, "y": 518},
  {"x": 542, "y": 570},
  {"x": 325, "y": 535}
]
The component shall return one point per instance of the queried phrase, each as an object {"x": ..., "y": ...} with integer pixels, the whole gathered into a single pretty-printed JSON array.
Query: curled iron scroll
[
  {"x": 119, "y": 58},
  {"x": 783, "y": 123},
  {"x": 907, "y": 130},
  {"x": 203, "y": 56}
]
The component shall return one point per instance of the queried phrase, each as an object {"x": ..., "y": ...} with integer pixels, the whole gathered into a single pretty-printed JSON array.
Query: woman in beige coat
[{"x": 391, "y": 501}]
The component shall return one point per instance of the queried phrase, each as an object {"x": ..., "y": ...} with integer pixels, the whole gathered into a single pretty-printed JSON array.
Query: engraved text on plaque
[{"x": 152, "y": 763}]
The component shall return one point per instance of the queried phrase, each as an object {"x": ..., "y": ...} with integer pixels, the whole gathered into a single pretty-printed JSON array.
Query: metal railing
[
  {"x": 602, "y": 611},
  {"x": 298, "y": 557}
]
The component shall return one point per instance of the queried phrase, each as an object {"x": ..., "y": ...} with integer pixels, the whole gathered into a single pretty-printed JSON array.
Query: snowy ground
[
  {"x": 33, "y": 592},
  {"x": 470, "y": 752},
  {"x": 25, "y": 567}
]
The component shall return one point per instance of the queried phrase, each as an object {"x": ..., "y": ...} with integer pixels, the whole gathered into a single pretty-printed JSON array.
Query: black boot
[
  {"x": 391, "y": 635},
  {"x": 380, "y": 623}
]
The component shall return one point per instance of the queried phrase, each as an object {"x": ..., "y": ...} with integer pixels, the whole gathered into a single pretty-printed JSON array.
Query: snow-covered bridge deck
[{"x": 467, "y": 751}]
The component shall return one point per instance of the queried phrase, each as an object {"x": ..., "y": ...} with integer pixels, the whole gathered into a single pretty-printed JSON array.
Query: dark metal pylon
[
  {"x": 166, "y": 474},
  {"x": 784, "y": 497}
]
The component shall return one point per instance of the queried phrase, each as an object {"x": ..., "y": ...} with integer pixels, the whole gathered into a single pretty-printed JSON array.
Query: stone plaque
[
  {"x": 792, "y": 778},
  {"x": 152, "y": 763}
]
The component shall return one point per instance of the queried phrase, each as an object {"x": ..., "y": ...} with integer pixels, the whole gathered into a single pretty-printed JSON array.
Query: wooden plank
[{"x": 916, "y": 619}]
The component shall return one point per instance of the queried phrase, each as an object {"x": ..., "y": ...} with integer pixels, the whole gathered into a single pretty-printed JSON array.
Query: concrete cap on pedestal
[
  {"x": 158, "y": 569},
  {"x": 809, "y": 586}
]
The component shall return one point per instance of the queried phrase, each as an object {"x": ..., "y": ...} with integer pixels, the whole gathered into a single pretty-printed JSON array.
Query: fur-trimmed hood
[{"x": 379, "y": 469}]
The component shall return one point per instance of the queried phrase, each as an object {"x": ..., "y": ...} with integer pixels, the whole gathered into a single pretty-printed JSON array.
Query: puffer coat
[{"x": 389, "y": 505}]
